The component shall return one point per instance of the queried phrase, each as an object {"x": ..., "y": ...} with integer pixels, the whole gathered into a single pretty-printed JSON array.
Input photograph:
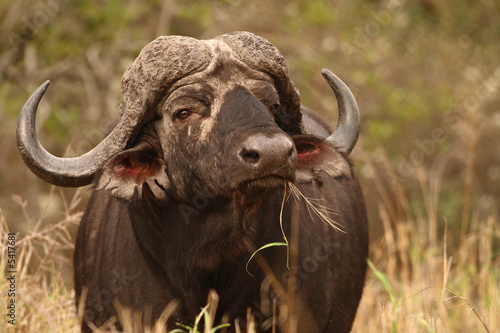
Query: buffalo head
[{"x": 231, "y": 94}]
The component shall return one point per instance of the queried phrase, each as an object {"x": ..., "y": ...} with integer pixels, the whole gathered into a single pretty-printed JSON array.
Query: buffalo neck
[{"x": 204, "y": 239}]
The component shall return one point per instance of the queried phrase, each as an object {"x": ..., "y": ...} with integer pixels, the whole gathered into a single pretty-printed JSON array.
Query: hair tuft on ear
[{"x": 126, "y": 173}]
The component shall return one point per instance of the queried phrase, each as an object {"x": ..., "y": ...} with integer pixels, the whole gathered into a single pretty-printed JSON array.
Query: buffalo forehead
[
  {"x": 260, "y": 54},
  {"x": 167, "y": 59},
  {"x": 255, "y": 51},
  {"x": 225, "y": 66},
  {"x": 224, "y": 74}
]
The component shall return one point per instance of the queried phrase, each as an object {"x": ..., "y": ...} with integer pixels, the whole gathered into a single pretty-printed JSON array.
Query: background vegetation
[{"x": 426, "y": 74}]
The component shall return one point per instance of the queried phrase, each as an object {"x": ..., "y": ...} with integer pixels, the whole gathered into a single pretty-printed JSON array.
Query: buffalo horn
[
  {"x": 69, "y": 172},
  {"x": 344, "y": 137}
]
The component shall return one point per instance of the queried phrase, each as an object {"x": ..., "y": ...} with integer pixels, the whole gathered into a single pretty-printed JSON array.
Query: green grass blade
[
  {"x": 383, "y": 279},
  {"x": 262, "y": 248}
]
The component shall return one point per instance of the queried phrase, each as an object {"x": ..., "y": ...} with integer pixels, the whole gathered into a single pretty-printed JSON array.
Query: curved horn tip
[
  {"x": 40, "y": 91},
  {"x": 345, "y": 136},
  {"x": 332, "y": 79},
  {"x": 36, "y": 96},
  {"x": 326, "y": 71},
  {"x": 44, "y": 85}
]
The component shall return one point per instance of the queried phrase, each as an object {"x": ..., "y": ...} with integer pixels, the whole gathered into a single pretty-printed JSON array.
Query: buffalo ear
[
  {"x": 125, "y": 174},
  {"x": 314, "y": 154}
]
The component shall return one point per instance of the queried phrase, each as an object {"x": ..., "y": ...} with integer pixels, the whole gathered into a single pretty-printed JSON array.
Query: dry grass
[
  {"x": 425, "y": 278},
  {"x": 417, "y": 285},
  {"x": 44, "y": 302}
]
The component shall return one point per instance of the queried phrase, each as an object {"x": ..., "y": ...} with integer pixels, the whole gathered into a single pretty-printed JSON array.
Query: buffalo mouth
[{"x": 268, "y": 182}]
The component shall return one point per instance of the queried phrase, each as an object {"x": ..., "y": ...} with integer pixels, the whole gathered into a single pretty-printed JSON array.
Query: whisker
[
  {"x": 281, "y": 213},
  {"x": 313, "y": 206}
]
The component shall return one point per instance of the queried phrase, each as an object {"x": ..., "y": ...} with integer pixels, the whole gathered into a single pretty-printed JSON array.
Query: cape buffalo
[{"x": 216, "y": 178}]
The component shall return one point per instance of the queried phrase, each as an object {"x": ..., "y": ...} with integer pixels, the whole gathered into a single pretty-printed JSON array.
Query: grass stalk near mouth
[{"x": 313, "y": 207}]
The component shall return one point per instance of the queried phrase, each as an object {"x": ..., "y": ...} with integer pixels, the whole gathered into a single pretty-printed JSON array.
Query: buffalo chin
[
  {"x": 249, "y": 196},
  {"x": 253, "y": 192}
]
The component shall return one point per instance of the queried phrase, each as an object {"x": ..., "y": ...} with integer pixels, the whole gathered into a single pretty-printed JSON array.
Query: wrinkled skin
[{"x": 201, "y": 187}]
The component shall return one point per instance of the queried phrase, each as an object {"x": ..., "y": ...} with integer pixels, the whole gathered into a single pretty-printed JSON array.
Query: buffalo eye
[{"x": 183, "y": 114}]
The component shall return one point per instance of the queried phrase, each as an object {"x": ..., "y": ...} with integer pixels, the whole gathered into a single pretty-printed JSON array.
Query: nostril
[{"x": 250, "y": 156}]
